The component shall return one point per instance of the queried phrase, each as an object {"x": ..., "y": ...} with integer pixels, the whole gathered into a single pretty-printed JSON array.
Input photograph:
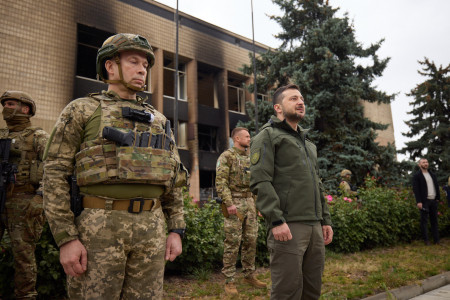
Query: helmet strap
[{"x": 121, "y": 80}]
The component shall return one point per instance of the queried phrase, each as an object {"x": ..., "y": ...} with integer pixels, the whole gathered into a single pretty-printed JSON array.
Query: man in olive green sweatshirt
[{"x": 284, "y": 175}]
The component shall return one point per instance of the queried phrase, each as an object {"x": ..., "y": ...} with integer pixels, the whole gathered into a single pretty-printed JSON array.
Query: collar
[
  {"x": 275, "y": 122},
  {"x": 239, "y": 151},
  {"x": 114, "y": 96}
]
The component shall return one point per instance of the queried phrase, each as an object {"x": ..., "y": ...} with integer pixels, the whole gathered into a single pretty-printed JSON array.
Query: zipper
[{"x": 312, "y": 174}]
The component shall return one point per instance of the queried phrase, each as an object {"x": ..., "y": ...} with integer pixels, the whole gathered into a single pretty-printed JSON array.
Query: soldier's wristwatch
[{"x": 180, "y": 231}]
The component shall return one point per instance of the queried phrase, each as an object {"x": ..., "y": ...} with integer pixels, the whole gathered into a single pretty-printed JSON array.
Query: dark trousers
[
  {"x": 429, "y": 208},
  {"x": 297, "y": 265}
]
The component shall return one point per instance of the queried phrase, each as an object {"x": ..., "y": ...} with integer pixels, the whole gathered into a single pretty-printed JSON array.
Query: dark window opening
[
  {"x": 207, "y": 138},
  {"x": 169, "y": 78},
  {"x": 207, "y": 85},
  {"x": 207, "y": 186},
  {"x": 90, "y": 39},
  {"x": 207, "y": 179},
  {"x": 237, "y": 95}
]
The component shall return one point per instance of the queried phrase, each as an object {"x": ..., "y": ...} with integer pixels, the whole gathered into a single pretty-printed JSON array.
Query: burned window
[
  {"x": 90, "y": 39},
  {"x": 169, "y": 79},
  {"x": 207, "y": 138},
  {"x": 237, "y": 95}
]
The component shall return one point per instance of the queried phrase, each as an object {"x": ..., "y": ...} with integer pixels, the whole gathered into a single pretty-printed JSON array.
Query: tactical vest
[
  {"x": 103, "y": 161},
  {"x": 23, "y": 154},
  {"x": 242, "y": 167}
]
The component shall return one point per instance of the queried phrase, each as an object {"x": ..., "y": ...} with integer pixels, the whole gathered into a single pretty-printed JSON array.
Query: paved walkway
[
  {"x": 433, "y": 288},
  {"x": 438, "y": 294}
]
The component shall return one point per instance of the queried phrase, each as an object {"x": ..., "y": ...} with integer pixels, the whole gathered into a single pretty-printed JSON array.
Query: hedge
[{"x": 381, "y": 217}]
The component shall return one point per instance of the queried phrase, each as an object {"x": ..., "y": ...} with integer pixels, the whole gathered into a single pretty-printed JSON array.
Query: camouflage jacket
[
  {"x": 27, "y": 151},
  {"x": 64, "y": 144},
  {"x": 346, "y": 189},
  {"x": 232, "y": 174}
]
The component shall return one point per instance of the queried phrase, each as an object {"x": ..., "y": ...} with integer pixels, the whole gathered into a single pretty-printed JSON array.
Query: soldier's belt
[
  {"x": 135, "y": 205},
  {"x": 242, "y": 195}
]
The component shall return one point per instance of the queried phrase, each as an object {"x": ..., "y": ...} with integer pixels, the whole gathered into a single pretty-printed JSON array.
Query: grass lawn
[{"x": 346, "y": 276}]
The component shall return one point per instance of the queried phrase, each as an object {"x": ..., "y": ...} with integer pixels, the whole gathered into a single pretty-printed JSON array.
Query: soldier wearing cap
[
  {"x": 241, "y": 224},
  {"x": 23, "y": 215},
  {"x": 128, "y": 171},
  {"x": 345, "y": 186}
]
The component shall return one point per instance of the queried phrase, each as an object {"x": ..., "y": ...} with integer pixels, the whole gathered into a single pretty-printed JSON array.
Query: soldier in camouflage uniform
[
  {"x": 23, "y": 216},
  {"x": 232, "y": 184},
  {"x": 117, "y": 247},
  {"x": 346, "y": 188}
]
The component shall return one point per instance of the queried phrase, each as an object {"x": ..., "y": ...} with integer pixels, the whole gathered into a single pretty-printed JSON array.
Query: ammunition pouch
[{"x": 107, "y": 163}]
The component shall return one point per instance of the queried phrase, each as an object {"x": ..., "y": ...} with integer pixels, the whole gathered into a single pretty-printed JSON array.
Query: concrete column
[
  {"x": 157, "y": 80},
  {"x": 222, "y": 95},
  {"x": 192, "y": 96}
]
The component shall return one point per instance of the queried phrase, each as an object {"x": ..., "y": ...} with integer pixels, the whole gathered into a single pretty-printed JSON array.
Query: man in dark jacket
[
  {"x": 284, "y": 175},
  {"x": 426, "y": 191}
]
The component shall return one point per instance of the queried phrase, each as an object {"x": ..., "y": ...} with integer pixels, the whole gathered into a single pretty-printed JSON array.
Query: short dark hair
[
  {"x": 278, "y": 95},
  {"x": 237, "y": 130}
]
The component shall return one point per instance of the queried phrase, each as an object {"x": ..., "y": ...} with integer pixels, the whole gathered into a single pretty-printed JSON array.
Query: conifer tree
[
  {"x": 265, "y": 110},
  {"x": 430, "y": 124},
  {"x": 319, "y": 53}
]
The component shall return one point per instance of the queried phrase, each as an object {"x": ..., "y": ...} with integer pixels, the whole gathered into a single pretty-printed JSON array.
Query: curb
[{"x": 410, "y": 291}]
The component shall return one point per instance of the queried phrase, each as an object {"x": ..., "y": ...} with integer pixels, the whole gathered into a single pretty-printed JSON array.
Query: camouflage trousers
[
  {"x": 125, "y": 254},
  {"x": 24, "y": 221},
  {"x": 237, "y": 231}
]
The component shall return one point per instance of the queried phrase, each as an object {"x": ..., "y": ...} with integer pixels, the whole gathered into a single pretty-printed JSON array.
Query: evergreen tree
[
  {"x": 431, "y": 122},
  {"x": 265, "y": 110},
  {"x": 319, "y": 53}
]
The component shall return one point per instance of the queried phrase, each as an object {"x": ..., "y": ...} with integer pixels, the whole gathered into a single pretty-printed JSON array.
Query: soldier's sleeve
[
  {"x": 40, "y": 141},
  {"x": 63, "y": 144},
  {"x": 173, "y": 205},
  {"x": 262, "y": 157},
  {"x": 223, "y": 179}
]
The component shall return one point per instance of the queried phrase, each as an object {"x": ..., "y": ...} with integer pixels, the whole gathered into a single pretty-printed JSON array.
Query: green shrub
[
  {"x": 382, "y": 217},
  {"x": 51, "y": 278},
  {"x": 203, "y": 243},
  {"x": 262, "y": 253}
]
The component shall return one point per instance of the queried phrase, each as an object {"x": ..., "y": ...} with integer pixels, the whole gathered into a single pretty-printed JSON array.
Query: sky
[{"x": 412, "y": 29}]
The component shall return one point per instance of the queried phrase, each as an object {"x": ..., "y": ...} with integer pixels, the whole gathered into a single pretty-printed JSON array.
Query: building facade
[{"x": 48, "y": 50}]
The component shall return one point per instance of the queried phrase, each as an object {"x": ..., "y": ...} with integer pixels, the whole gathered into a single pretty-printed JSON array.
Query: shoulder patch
[{"x": 255, "y": 156}]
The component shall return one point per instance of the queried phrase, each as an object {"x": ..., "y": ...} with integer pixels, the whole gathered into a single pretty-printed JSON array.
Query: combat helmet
[
  {"x": 111, "y": 49},
  {"x": 345, "y": 172},
  {"x": 21, "y": 97}
]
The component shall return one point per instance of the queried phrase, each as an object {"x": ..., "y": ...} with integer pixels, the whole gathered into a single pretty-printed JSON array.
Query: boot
[
  {"x": 252, "y": 280},
  {"x": 230, "y": 288}
]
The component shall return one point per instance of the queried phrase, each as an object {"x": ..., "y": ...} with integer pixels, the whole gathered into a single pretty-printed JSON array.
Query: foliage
[
  {"x": 383, "y": 217},
  {"x": 380, "y": 217},
  {"x": 265, "y": 110},
  {"x": 51, "y": 278},
  {"x": 262, "y": 253},
  {"x": 320, "y": 53},
  {"x": 203, "y": 243},
  {"x": 431, "y": 119}
]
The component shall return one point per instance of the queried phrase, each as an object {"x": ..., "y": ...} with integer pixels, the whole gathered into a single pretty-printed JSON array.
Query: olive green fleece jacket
[{"x": 285, "y": 176}]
